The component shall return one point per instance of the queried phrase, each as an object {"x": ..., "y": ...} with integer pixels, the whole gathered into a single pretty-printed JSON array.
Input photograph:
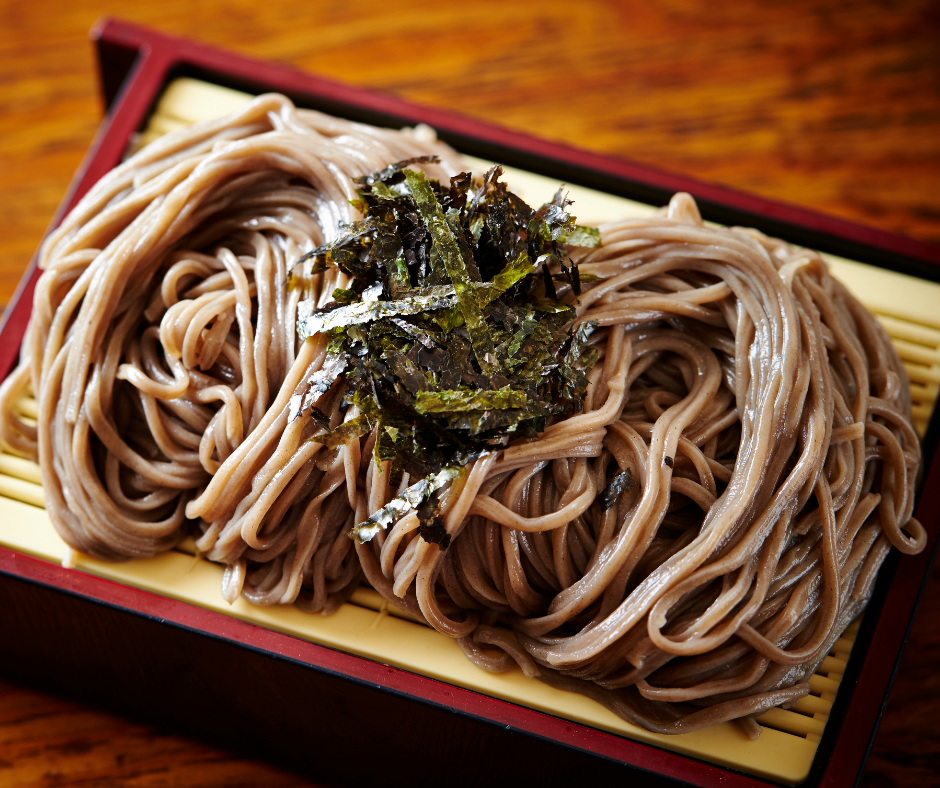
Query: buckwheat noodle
[{"x": 761, "y": 412}]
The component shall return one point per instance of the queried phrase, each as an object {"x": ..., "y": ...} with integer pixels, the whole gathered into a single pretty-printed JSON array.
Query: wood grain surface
[{"x": 834, "y": 106}]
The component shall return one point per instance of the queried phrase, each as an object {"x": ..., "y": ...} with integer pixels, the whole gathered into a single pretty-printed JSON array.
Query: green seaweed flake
[
  {"x": 451, "y": 334},
  {"x": 621, "y": 483},
  {"x": 344, "y": 433},
  {"x": 446, "y": 243},
  {"x": 450, "y": 401}
]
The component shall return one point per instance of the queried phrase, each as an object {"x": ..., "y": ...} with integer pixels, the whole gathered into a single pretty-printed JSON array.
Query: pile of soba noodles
[{"x": 759, "y": 413}]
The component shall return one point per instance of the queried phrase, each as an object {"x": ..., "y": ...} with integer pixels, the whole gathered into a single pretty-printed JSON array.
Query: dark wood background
[{"x": 834, "y": 106}]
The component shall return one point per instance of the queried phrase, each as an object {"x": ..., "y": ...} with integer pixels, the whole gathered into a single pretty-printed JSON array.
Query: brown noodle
[{"x": 760, "y": 410}]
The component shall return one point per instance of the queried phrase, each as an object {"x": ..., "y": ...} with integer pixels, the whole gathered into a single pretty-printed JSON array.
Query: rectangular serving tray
[{"x": 338, "y": 716}]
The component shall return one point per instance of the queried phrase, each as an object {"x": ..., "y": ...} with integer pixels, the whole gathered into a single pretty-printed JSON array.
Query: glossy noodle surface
[{"x": 756, "y": 417}]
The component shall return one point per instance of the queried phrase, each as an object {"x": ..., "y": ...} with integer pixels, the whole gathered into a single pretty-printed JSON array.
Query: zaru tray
[{"x": 338, "y": 698}]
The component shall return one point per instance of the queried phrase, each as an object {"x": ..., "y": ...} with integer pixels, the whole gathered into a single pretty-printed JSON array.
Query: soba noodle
[{"x": 760, "y": 412}]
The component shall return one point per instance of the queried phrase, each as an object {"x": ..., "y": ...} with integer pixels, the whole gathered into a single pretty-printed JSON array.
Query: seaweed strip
[
  {"x": 451, "y": 334},
  {"x": 446, "y": 244}
]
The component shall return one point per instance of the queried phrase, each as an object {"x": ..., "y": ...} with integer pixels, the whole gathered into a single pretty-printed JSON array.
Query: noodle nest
[{"x": 757, "y": 417}]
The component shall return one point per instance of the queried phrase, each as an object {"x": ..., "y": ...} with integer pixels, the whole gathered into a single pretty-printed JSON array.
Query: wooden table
[{"x": 834, "y": 106}]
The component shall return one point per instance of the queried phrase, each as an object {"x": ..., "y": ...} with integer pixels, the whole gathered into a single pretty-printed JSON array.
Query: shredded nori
[
  {"x": 452, "y": 334},
  {"x": 435, "y": 534},
  {"x": 417, "y": 496},
  {"x": 620, "y": 484}
]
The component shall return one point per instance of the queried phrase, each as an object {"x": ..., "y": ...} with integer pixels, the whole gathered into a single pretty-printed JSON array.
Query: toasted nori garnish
[
  {"x": 452, "y": 335},
  {"x": 620, "y": 484},
  {"x": 435, "y": 533}
]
